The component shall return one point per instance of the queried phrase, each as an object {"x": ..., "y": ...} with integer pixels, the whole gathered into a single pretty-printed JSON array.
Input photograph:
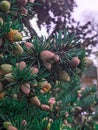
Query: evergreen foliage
[{"x": 39, "y": 79}]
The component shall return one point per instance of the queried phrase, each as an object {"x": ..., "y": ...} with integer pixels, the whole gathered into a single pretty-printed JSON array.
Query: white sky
[
  {"x": 41, "y": 32},
  {"x": 86, "y": 7}
]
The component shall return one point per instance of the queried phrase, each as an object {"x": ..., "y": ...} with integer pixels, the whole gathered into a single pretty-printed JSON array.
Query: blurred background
[{"x": 87, "y": 10}]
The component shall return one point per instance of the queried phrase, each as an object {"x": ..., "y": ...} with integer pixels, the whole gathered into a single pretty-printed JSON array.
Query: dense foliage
[{"x": 39, "y": 78}]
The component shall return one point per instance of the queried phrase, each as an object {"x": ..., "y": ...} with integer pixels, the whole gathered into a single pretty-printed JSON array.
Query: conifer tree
[{"x": 39, "y": 78}]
